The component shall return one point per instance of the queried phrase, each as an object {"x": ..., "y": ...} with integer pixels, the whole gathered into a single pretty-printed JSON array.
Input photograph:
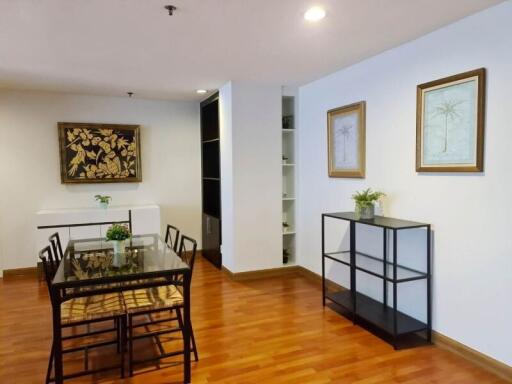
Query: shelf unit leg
[
  {"x": 353, "y": 269},
  {"x": 429, "y": 286},
  {"x": 385, "y": 268},
  {"x": 395, "y": 304},
  {"x": 323, "y": 260}
]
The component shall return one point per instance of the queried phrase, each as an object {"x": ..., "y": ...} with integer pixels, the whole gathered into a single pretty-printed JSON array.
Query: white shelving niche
[{"x": 289, "y": 171}]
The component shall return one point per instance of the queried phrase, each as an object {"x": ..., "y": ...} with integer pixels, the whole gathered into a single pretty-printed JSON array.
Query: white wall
[
  {"x": 226, "y": 164},
  {"x": 29, "y": 162},
  {"x": 251, "y": 176},
  {"x": 470, "y": 213}
]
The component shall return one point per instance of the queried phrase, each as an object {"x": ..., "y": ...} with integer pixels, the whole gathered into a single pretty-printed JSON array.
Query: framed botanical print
[
  {"x": 450, "y": 121},
  {"x": 346, "y": 140},
  {"x": 99, "y": 153}
]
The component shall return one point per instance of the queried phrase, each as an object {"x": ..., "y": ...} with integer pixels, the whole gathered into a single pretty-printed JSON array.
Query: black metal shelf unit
[
  {"x": 211, "y": 180},
  {"x": 377, "y": 313}
]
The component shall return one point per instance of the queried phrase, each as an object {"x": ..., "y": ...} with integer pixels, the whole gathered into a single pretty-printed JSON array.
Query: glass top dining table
[
  {"x": 91, "y": 267},
  {"x": 93, "y": 261}
]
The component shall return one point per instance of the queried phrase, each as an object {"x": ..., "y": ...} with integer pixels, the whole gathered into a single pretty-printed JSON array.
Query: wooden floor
[{"x": 273, "y": 330}]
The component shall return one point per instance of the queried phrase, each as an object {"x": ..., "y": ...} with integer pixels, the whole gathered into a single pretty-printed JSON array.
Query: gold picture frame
[
  {"x": 450, "y": 122},
  {"x": 99, "y": 153},
  {"x": 346, "y": 140}
]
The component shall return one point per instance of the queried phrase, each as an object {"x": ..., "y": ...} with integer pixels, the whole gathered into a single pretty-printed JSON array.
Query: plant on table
[
  {"x": 118, "y": 233},
  {"x": 365, "y": 201}
]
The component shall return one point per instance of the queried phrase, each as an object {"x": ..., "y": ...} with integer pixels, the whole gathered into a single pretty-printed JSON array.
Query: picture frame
[
  {"x": 346, "y": 140},
  {"x": 99, "y": 153},
  {"x": 450, "y": 123}
]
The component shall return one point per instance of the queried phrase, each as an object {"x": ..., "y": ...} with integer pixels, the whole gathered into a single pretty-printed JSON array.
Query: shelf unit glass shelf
[
  {"x": 375, "y": 266},
  {"x": 374, "y": 312}
]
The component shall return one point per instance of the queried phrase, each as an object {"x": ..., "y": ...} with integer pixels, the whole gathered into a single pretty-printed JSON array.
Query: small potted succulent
[
  {"x": 103, "y": 200},
  {"x": 365, "y": 203},
  {"x": 286, "y": 226},
  {"x": 118, "y": 233}
]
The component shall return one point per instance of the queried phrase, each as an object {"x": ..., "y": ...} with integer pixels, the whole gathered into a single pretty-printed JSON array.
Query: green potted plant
[
  {"x": 365, "y": 203},
  {"x": 118, "y": 233},
  {"x": 103, "y": 200},
  {"x": 286, "y": 226},
  {"x": 285, "y": 159}
]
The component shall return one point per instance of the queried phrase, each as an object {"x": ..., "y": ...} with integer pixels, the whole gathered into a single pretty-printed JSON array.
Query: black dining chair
[
  {"x": 172, "y": 235},
  {"x": 149, "y": 301},
  {"x": 86, "y": 311},
  {"x": 56, "y": 246}
]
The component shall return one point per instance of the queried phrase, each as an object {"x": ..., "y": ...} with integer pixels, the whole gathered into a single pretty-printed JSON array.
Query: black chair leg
[
  {"x": 193, "y": 339},
  {"x": 117, "y": 324},
  {"x": 130, "y": 345},
  {"x": 122, "y": 341},
  {"x": 50, "y": 365}
]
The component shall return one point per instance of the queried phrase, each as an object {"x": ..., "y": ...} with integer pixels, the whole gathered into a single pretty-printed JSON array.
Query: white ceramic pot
[
  {"x": 103, "y": 205},
  {"x": 119, "y": 246}
]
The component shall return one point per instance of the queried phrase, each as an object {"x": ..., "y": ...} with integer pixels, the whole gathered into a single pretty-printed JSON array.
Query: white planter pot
[
  {"x": 119, "y": 246},
  {"x": 103, "y": 205}
]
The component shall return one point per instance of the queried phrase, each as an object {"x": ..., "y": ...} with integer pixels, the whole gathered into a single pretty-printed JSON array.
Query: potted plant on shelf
[
  {"x": 365, "y": 202},
  {"x": 103, "y": 200},
  {"x": 285, "y": 226},
  {"x": 118, "y": 233},
  {"x": 285, "y": 159}
]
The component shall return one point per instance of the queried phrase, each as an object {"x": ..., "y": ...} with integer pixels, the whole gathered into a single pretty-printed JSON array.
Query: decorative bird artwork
[{"x": 99, "y": 153}]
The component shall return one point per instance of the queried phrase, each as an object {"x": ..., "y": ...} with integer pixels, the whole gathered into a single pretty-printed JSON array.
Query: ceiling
[{"x": 114, "y": 46}]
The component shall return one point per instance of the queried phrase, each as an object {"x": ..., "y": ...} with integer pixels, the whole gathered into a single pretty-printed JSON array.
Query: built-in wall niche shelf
[
  {"x": 288, "y": 171},
  {"x": 211, "y": 141}
]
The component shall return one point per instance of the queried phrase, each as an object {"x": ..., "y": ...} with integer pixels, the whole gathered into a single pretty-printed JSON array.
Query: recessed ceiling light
[
  {"x": 314, "y": 14},
  {"x": 201, "y": 91}
]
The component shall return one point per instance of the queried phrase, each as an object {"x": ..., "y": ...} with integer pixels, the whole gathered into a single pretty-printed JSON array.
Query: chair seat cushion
[
  {"x": 166, "y": 296},
  {"x": 92, "y": 308}
]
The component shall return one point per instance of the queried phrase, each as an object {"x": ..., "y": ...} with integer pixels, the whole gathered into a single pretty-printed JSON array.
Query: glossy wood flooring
[{"x": 273, "y": 330}]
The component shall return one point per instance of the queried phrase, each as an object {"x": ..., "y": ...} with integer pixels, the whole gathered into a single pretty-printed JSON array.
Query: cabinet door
[{"x": 211, "y": 240}]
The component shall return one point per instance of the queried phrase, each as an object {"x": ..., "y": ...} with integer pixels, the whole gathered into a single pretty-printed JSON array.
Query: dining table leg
[
  {"x": 57, "y": 337},
  {"x": 186, "y": 328}
]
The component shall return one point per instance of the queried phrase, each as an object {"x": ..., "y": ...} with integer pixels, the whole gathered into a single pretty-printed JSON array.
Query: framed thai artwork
[
  {"x": 99, "y": 153},
  {"x": 450, "y": 121},
  {"x": 346, "y": 140}
]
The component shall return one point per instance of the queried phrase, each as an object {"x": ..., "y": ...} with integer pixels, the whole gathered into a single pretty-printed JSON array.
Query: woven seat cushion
[
  {"x": 92, "y": 308},
  {"x": 155, "y": 297}
]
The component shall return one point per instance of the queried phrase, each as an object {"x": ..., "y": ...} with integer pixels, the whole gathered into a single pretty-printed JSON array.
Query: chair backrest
[
  {"x": 187, "y": 251},
  {"x": 172, "y": 235},
  {"x": 56, "y": 246},
  {"x": 49, "y": 267}
]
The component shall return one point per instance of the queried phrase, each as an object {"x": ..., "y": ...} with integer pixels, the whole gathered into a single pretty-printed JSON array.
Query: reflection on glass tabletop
[{"x": 95, "y": 259}]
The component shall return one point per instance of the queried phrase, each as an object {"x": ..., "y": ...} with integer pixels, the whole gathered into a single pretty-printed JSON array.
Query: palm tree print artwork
[
  {"x": 448, "y": 110},
  {"x": 346, "y": 141},
  {"x": 450, "y": 123},
  {"x": 345, "y": 135},
  {"x": 99, "y": 153}
]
